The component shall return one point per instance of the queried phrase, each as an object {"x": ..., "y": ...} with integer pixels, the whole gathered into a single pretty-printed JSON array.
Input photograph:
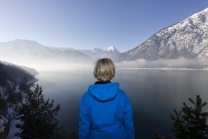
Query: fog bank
[{"x": 161, "y": 63}]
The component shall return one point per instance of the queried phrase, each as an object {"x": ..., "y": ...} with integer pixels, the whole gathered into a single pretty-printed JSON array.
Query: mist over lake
[{"x": 153, "y": 93}]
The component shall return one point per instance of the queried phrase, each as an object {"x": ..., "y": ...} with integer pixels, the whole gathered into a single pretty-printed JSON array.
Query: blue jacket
[{"x": 105, "y": 113}]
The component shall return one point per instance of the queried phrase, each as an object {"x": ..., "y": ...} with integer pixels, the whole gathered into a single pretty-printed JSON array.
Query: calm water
[{"x": 153, "y": 93}]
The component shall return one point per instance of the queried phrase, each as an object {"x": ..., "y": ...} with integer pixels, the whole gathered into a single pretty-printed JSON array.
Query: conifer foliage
[
  {"x": 38, "y": 117},
  {"x": 189, "y": 122}
]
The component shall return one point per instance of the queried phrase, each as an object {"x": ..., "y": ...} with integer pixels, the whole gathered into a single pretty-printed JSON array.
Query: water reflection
[{"x": 153, "y": 93}]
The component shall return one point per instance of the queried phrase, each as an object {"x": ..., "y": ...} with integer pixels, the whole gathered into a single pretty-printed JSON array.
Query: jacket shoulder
[
  {"x": 122, "y": 96},
  {"x": 86, "y": 94},
  {"x": 121, "y": 93},
  {"x": 85, "y": 97}
]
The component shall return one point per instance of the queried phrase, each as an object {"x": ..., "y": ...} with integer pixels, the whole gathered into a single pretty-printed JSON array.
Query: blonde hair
[{"x": 104, "y": 69}]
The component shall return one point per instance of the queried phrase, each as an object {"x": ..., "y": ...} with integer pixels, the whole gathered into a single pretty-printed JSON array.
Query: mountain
[
  {"x": 94, "y": 54},
  {"x": 62, "y": 48},
  {"x": 97, "y": 53},
  {"x": 110, "y": 52},
  {"x": 188, "y": 39},
  {"x": 25, "y": 48},
  {"x": 27, "y": 51}
]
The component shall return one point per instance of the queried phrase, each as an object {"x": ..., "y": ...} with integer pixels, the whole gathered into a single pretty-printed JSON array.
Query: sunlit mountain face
[{"x": 188, "y": 39}]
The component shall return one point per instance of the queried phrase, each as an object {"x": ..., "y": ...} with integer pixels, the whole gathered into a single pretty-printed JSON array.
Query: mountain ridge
[
  {"x": 23, "y": 48},
  {"x": 187, "y": 39},
  {"x": 23, "y": 52}
]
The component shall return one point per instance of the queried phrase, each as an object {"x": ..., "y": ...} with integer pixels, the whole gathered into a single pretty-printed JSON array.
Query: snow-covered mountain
[
  {"x": 25, "y": 48},
  {"x": 188, "y": 39},
  {"x": 33, "y": 52},
  {"x": 97, "y": 53},
  {"x": 94, "y": 54},
  {"x": 110, "y": 52},
  {"x": 27, "y": 51}
]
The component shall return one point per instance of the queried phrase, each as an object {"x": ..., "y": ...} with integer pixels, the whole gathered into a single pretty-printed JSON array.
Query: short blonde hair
[{"x": 104, "y": 69}]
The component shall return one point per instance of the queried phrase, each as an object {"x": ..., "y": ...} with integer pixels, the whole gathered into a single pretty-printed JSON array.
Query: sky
[{"x": 88, "y": 24}]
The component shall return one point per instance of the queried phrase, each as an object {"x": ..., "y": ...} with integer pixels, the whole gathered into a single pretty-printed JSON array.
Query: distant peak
[{"x": 112, "y": 49}]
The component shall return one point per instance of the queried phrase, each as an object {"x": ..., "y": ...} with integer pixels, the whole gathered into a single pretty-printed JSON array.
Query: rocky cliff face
[{"x": 188, "y": 39}]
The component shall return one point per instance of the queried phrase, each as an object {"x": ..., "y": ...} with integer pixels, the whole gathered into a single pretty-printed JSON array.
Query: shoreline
[
  {"x": 31, "y": 82},
  {"x": 163, "y": 69}
]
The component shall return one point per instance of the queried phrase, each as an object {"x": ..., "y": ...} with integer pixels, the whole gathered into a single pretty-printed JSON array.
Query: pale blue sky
[{"x": 88, "y": 24}]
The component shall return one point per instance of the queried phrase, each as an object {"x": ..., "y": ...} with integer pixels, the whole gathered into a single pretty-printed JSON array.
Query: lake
[{"x": 153, "y": 93}]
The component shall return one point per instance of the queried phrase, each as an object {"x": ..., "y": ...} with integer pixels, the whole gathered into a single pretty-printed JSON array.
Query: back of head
[{"x": 104, "y": 69}]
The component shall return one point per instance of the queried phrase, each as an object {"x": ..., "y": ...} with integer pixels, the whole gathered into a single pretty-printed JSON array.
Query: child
[{"x": 105, "y": 110}]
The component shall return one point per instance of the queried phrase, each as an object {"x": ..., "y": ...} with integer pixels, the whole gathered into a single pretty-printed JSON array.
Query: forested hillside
[
  {"x": 14, "y": 80},
  {"x": 24, "y": 113}
]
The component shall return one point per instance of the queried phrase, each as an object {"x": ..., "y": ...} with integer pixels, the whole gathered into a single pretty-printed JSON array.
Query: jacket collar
[
  {"x": 102, "y": 82},
  {"x": 104, "y": 92}
]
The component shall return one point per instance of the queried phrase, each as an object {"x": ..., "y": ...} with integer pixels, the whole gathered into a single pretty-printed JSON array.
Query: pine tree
[
  {"x": 157, "y": 136},
  {"x": 38, "y": 117},
  {"x": 189, "y": 123},
  {"x": 23, "y": 84}
]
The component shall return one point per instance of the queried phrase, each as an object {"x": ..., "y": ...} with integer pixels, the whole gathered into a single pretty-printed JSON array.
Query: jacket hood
[{"x": 104, "y": 92}]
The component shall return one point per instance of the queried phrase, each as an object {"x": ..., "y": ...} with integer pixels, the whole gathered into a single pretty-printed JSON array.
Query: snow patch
[
  {"x": 13, "y": 129},
  {"x": 3, "y": 121}
]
